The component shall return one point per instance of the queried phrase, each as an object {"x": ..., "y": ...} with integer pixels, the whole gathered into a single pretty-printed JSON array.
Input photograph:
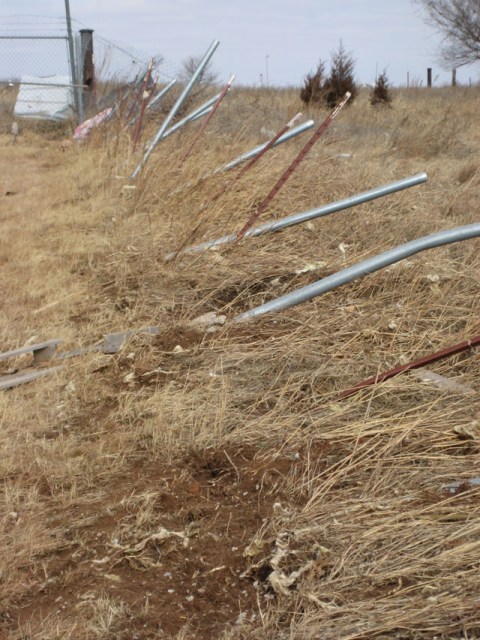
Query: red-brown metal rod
[
  {"x": 294, "y": 165},
  {"x": 147, "y": 95},
  {"x": 253, "y": 160},
  {"x": 415, "y": 364},
  {"x": 141, "y": 90},
  {"x": 269, "y": 145},
  {"x": 206, "y": 120}
]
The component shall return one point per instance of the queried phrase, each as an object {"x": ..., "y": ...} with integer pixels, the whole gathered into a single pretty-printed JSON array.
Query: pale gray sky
[{"x": 288, "y": 36}]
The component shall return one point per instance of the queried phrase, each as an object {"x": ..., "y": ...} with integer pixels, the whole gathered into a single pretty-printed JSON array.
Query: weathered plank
[
  {"x": 16, "y": 379},
  {"x": 41, "y": 351}
]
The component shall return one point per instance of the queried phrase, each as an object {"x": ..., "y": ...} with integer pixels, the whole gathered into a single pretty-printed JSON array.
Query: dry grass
[{"x": 219, "y": 490}]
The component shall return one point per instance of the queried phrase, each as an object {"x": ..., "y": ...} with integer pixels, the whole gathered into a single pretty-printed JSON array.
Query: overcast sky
[{"x": 284, "y": 38}]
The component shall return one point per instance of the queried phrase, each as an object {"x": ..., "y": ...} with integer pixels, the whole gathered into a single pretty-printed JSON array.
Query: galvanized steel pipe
[
  {"x": 363, "y": 268},
  {"x": 161, "y": 93},
  {"x": 311, "y": 214},
  {"x": 174, "y": 110},
  {"x": 253, "y": 152},
  {"x": 199, "y": 112}
]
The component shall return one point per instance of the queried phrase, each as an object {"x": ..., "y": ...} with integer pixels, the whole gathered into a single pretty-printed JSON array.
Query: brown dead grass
[{"x": 219, "y": 490}]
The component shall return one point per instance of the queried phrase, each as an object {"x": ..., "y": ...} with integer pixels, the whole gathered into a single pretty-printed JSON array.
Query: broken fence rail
[
  {"x": 466, "y": 345},
  {"x": 363, "y": 268},
  {"x": 174, "y": 110},
  {"x": 311, "y": 214},
  {"x": 40, "y": 351},
  {"x": 22, "y": 377}
]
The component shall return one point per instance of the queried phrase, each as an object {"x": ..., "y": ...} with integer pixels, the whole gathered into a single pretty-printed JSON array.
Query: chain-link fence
[{"x": 36, "y": 74}]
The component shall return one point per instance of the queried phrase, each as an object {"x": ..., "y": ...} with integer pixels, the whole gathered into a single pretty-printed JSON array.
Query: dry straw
[{"x": 304, "y": 517}]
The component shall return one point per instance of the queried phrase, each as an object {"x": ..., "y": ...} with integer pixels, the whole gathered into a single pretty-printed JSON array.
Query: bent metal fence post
[
  {"x": 311, "y": 214},
  {"x": 174, "y": 110},
  {"x": 293, "y": 166},
  {"x": 363, "y": 268}
]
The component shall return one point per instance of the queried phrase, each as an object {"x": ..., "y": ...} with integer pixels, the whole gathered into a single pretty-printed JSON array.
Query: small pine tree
[
  {"x": 341, "y": 78},
  {"x": 312, "y": 90},
  {"x": 381, "y": 91}
]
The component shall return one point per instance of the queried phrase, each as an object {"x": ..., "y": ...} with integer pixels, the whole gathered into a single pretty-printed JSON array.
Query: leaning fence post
[
  {"x": 260, "y": 148},
  {"x": 174, "y": 110},
  {"x": 293, "y": 166},
  {"x": 363, "y": 268},
  {"x": 311, "y": 214},
  {"x": 215, "y": 106},
  {"x": 161, "y": 93}
]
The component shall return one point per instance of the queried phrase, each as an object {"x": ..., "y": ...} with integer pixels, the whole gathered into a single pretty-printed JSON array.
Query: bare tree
[
  {"x": 189, "y": 66},
  {"x": 459, "y": 23}
]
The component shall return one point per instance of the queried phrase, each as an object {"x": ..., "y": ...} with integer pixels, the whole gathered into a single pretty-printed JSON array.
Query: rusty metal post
[
  {"x": 466, "y": 345},
  {"x": 294, "y": 165},
  {"x": 454, "y": 77},
  {"x": 211, "y": 113},
  {"x": 87, "y": 69}
]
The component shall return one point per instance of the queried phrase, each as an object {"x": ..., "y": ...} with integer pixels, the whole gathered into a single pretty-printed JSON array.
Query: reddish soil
[{"x": 219, "y": 500}]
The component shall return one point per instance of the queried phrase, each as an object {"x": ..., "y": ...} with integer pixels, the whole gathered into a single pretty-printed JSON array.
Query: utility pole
[{"x": 73, "y": 70}]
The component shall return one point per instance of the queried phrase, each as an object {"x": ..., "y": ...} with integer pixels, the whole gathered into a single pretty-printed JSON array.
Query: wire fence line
[{"x": 35, "y": 67}]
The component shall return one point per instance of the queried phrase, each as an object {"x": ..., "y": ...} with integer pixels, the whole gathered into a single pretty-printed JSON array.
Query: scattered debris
[
  {"x": 209, "y": 319},
  {"x": 469, "y": 431},
  {"x": 41, "y": 352},
  {"x": 15, "y": 131},
  {"x": 456, "y": 487},
  {"x": 83, "y": 130},
  {"x": 14, "y": 380},
  {"x": 440, "y": 381}
]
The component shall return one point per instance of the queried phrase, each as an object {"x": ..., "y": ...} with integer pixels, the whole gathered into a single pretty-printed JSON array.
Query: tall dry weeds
[{"x": 304, "y": 517}]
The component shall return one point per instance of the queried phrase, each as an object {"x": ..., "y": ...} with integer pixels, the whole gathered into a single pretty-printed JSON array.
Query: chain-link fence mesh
[{"x": 35, "y": 69}]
